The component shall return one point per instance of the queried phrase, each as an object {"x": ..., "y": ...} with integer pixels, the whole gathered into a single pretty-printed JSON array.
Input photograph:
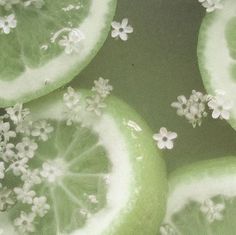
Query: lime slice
[
  {"x": 202, "y": 199},
  {"x": 217, "y": 53},
  {"x": 110, "y": 178},
  {"x": 50, "y": 45}
]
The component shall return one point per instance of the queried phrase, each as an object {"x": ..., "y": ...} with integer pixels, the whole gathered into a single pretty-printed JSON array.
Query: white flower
[
  {"x": 41, "y": 129},
  {"x": 72, "y": 42},
  {"x": 24, "y": 195},
  {"x": 212, "y": 211},
  {"x": 24, "y": 223},
  {"x": 166, "y": 229},
  {"x": 165, "y": 138},
  {"x": 7, "y": 23},
  {"x": 19, "y": 167},
  {"x": 73, "y": 115},
  {"x": 221, "y": 106},
  {"x": 71, "y": 98},
  {"x": 7, "y": 151},
  {"x": 120, "y": 30},
  {"x": 26, "y": 148},
  {"x": 95, "y": 104},
  {"x": 35, "y": 3},
  {"x": 31, "y": 177},
  {"x": 2, "y": 170},
  {"x": 51, "y": 171},
  {"x": 6, "y": 199},
  {"x": 181, "y": 105},
  {"x": 40, "y": 206},
  {"x": 211, "y": 5},
  {"x": 17, "y": 113},
  {"x": 102, "y": 87},
  {"x": 5, "y": 131}
]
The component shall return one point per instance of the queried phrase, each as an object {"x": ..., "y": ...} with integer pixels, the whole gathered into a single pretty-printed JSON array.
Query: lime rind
[
  {"x": 199, "y": 182},
  {"x": 137, "y": 169},
  {"x": 214, "y": 51},
  {"x": 34, "y": 83}
]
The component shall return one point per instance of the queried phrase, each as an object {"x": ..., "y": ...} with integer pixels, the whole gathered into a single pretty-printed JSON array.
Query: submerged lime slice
[
  {"x": 217, "y": 52},
  {"x": 202, "y": 199},
  {"x": 50, "y": 45},
  {"x": 110, "y": 178}
]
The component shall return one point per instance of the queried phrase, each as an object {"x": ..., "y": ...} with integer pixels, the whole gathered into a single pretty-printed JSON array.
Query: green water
[{"x": 154, "y": 66}]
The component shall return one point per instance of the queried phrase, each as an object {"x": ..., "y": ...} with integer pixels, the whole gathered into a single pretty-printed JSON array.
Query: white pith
[
  {"x": 121, "y": 178},
  {"x": 34, "y": 79},
  {"x": 216, "y": 55},
  {"x": 199, "y": 189}
]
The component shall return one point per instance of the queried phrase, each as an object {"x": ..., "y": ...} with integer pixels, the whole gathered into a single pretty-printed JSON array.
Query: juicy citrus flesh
[
  {"x": 104, "y": 187},
  {"x": 202, "y": 199},
  {"x": 32, "y": 54}
]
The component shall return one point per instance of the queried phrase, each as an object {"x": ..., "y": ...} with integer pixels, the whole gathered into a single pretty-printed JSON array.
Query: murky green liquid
[{"x": 154, "y": 66}]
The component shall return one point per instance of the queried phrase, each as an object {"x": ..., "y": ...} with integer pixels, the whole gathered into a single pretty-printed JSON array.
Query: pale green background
[{"x": 157, "y": 64}]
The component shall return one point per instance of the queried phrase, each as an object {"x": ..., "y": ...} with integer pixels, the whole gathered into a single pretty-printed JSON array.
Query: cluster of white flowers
[
  {"x": 121, "y": 30},
  {"x": 18, "y": 145},
  {"x": 165, "y": 139},
  {"x": 211, "y": 5},
  {"x": 212, "y": 211},
  {"x": 9, "y": 21},
  {"x": 101, "y": 90},
  {"x": 94, "y": 103},
  {"x": 194, "y": 109}
]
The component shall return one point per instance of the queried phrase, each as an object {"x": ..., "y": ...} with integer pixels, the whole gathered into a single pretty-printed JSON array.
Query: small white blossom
[
  {"x": 7, "y": 151},
  {"x": 19, "y": 167},
  {"x": 211, "y": 5},
  {"x": 166, "y": 229},
  {"x": 102, "y": 87},
  {"x": 7, "y": 23},
  {"x": 51, "y": 171},
  {"x": 212, "y": 211},
  {"x": 72, "y": 42},
  {"x": 71, "y": 98},
  {"x": 26, "y": 148},
  {"x": 24, "y": 223},
  {"x": 42, "y": 129},
  {"x": 2, "y": 170},
  {"x": 40, "y": 206},
  {"x": 31, "y": 177},
  {"x": 221, "y": 106},
  {"x": 5, "y": 131},
  {"x": 165, "y": 138},
  {"x": 95, "y": 104},
  {"x": 121, "y": 30},
  {"x": 73, "y": 115},
  {"x": 24, "y": 195},
  {"x": 6, "y": 199},
  {"x": 17, "y": 113},
  {"x": 181, "y": 105}
]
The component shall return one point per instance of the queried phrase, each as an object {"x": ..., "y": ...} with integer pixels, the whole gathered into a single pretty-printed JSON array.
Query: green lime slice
[
  {"x": 217, "y": 53},
  {"x": 111, "y": 179},
  {"x": 202, "y": 199},
  {"x": 40, "y": 54}
]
